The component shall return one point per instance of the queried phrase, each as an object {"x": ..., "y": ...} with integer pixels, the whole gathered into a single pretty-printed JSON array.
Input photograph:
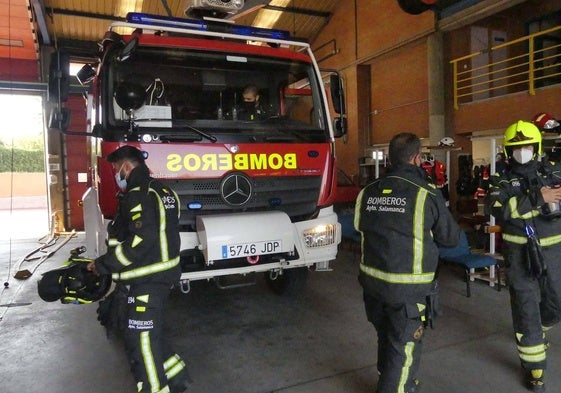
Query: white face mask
[
  {"x": 121, "y": 181},
  {"x": 523, "y": 156}
]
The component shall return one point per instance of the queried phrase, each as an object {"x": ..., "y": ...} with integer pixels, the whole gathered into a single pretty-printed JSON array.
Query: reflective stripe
[
  {"x": 173, "y": 366},
  {"x": 497, "y": 204},
  {"x": 120, "y": 255},
  {"x": 550, "y": 240},
  {"x": 531, "y": 354},
  {"x": 136, "y": 241},
  {"x": 150, "y": 366},
  {"x": 408, "y": 350},
  {"x": 143, "y": 298},
  {"x": 163, "y": 235},
  {"x": 146, "y": 270},
  {"x": 418, "y": 231},
  {"x": 75, "y": 300},
  {"x": 397, "y": 278},
  {"x": 534, "y": 354},
  {"x": 515, "y": 239},
  {"x": 113, "y": 242},
  {"x": 513, "y": 204},
  {"x": 545, "y": 241}
]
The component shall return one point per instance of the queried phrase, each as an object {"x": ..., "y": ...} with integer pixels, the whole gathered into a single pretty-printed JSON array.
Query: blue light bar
[
  {"x": 155, "y": 21},
  {"x": 165, "y": 21},
  {"x": 260, "y": 32}
]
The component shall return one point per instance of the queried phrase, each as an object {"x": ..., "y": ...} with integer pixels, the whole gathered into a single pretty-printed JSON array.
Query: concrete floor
[{"x": 250, "y": 340}]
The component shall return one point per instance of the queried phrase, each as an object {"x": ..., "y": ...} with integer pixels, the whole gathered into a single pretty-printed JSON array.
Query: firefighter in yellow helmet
[{"x": 525, "y": 202}]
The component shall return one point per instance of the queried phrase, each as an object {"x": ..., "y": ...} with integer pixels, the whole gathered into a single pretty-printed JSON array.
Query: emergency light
[{"x": 153, "y": 21}]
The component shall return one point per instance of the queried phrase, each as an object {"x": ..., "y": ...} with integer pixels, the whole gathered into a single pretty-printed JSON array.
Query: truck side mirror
[
  {"x": 86, "y": 74},
  {"x": 337, "y": 93},
  {"x": 339, "y": 127},
  {"x": 59, "y": 74},
  {"x": 128, "y": 49}
]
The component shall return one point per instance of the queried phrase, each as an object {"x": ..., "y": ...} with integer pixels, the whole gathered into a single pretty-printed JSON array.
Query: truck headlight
[{"x": 320, "y": 235}]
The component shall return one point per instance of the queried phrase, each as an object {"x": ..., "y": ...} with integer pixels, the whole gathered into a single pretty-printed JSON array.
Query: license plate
[{"x": 251, "y": 249}]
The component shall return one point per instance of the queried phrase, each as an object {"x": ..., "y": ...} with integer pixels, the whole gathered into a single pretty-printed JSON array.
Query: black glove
[
  {"x": 112, "y": 311},
  {"x": 534, "y": 257}
]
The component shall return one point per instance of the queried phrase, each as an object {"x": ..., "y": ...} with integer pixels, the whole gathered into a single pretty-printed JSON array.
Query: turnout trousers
[
  {"x": 400, "y": 330},
  {"x": 535, "y": 304},
  {"x": 151, "y": 364}
]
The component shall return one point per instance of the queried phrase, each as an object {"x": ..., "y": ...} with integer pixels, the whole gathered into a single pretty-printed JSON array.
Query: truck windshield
[{"x": 190, "y": 94}]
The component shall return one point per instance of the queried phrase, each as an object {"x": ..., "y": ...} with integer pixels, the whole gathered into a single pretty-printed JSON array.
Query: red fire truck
[{"x": 256, "y": 191}]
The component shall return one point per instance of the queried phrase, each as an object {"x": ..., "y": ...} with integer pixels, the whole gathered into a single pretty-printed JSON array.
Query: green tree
[{"x": 21, "y": 160}]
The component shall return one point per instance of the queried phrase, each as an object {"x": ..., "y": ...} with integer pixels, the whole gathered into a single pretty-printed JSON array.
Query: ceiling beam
[
  {"x": 61, "y": 11},
  {"x": 296, "y": 10},
  {"x": 472, "y": 12},
  {"x": 39, "y": 12}
]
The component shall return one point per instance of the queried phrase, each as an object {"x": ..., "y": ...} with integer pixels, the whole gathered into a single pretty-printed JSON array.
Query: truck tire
[{"x": 290, "y": 283}]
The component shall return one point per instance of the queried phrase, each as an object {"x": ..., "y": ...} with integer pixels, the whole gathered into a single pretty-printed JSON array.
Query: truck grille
[{"x": 296, "y": 196}]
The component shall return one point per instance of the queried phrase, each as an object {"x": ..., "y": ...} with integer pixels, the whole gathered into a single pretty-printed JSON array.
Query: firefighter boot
[
  {"x": 414, "y": 387},
  {"x": 535, "y": 382}
]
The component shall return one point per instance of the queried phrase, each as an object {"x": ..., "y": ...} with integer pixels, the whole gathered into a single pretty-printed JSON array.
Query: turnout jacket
[
  {"x": 402, "y": 218},
  {"x": 515, "y": 200},
  {"x": 143, "y": 238}
]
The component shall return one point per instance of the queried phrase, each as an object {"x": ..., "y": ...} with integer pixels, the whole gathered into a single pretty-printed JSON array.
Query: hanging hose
[{"x": 7, "y": 282}]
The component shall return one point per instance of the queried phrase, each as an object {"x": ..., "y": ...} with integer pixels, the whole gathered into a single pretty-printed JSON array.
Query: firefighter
[
  {"x": 524, "y": 201},
  {"x": 143, "y": 255},
  {"x": 252, "y": 108},
  {"x": 402, "y": 219}
]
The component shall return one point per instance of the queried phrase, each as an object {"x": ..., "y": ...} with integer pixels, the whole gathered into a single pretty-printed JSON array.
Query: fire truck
[{"x": 256, "y": 191}]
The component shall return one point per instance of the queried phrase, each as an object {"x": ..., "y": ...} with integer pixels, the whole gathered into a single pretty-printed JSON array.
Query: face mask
[
  {"x": 523, "y": 156},
  {"x": 121, "y": 181},
  {"x": 248, "y": 105}
]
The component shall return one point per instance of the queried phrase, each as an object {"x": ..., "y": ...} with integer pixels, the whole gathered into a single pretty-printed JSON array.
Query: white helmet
[{"x": 446, "y": 141}]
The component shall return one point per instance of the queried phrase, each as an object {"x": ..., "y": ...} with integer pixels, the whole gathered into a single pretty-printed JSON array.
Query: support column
[{"x": 436, "y": 88}]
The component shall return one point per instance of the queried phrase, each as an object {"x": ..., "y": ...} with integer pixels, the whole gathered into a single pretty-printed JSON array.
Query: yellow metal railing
[{"x": 518, "y": 65}]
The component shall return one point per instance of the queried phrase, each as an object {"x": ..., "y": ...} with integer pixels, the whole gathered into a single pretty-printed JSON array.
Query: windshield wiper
[
  {"x": 175, "y": 135},
  {"x": 211, "y": 138}
]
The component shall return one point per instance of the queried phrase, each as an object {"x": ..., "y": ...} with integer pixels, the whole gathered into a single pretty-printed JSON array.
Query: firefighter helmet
[
  {"x": 446, "y": 141},
  {"x": 522, "y": 133},
  {"x": 545, "y": 122},
  {"x": 73, "y": 283}
]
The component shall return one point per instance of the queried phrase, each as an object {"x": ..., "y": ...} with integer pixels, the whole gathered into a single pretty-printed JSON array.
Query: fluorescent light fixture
[
  {"x": 267, "y": 18},
  {"x": 125, "y": 6},
  {"x": 9, "y": 42}
]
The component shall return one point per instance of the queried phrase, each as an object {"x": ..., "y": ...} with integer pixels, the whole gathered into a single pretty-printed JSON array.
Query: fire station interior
[{"x": 455, "y": 72}]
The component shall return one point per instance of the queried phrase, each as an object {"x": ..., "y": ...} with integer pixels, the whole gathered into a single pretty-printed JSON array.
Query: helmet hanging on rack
[
  {"x": 546, "y": 122},
  {"x": 447, "y": 141}
]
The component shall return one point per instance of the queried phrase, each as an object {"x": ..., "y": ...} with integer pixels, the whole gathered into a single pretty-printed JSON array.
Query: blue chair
[{"x": 462, "y": 256}]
